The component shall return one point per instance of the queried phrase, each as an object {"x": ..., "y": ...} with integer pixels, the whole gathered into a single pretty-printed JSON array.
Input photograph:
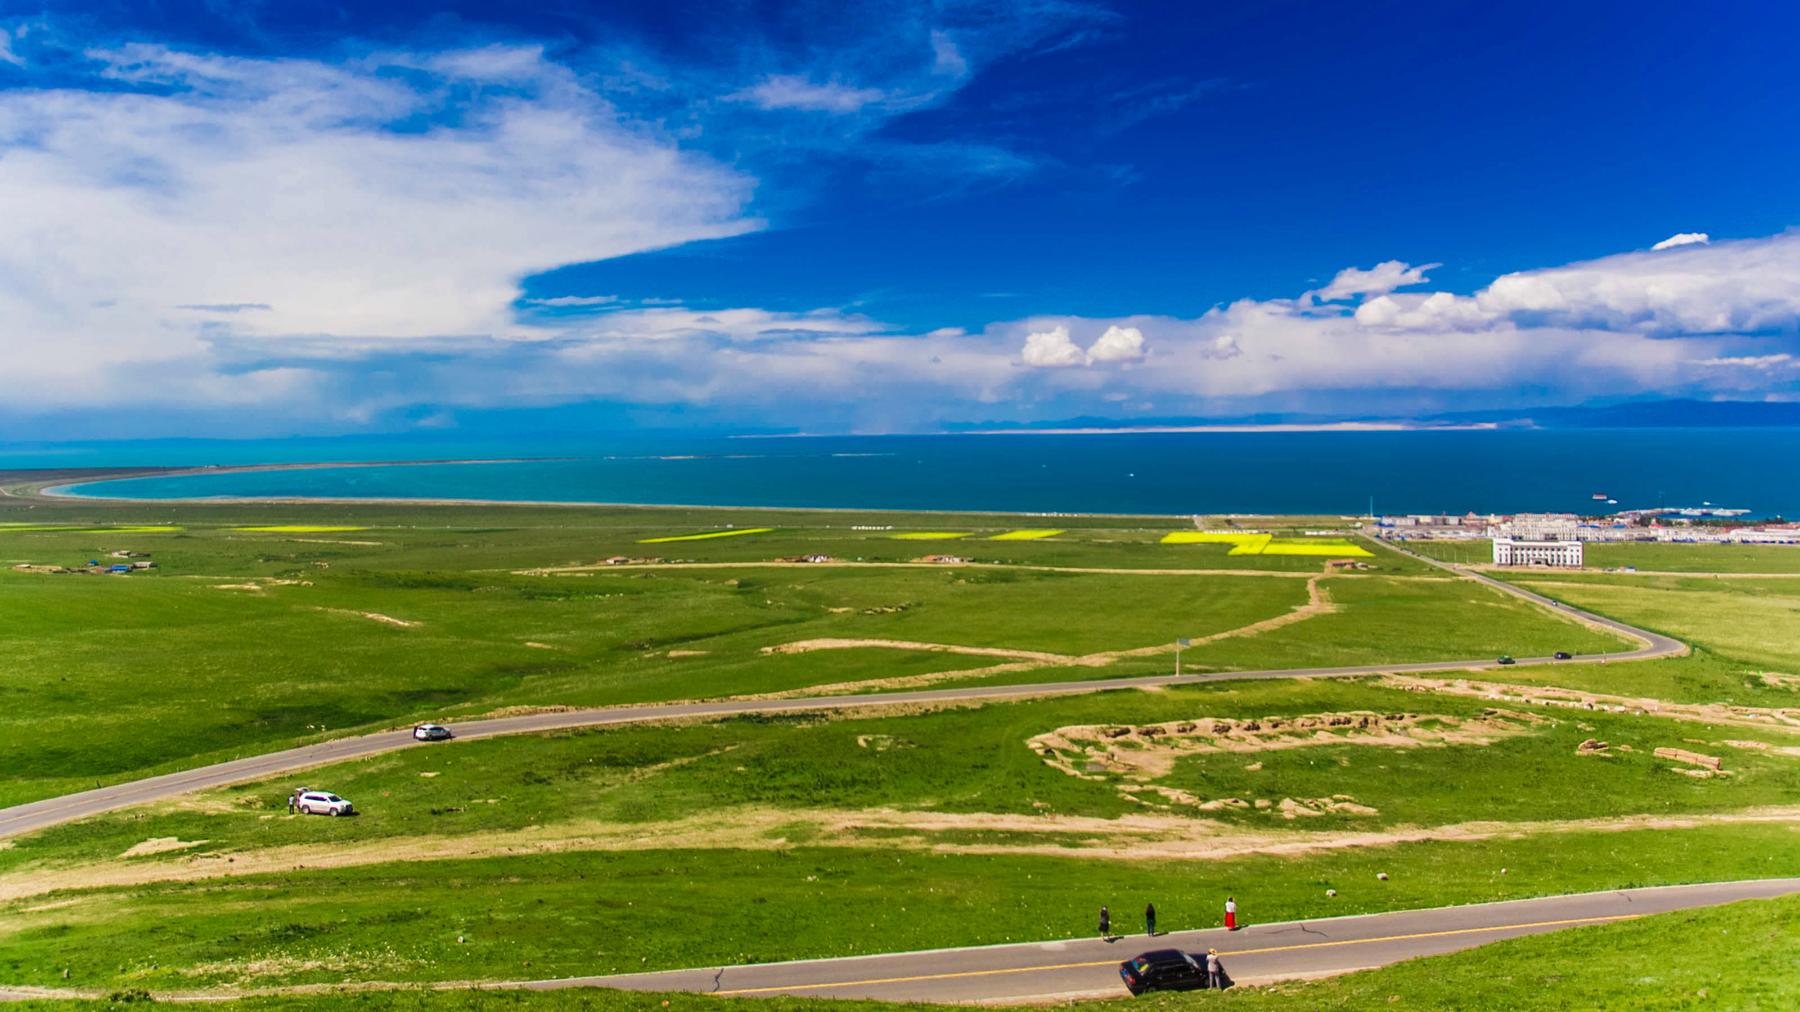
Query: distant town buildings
[
  {"x": 1685, "y": 525},
  {"x": 1511, "y": 551}
]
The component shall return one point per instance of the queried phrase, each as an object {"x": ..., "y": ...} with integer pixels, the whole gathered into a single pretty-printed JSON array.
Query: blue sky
[{"x": 886, "y": 217}]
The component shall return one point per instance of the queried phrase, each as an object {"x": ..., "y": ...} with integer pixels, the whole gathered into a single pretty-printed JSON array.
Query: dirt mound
[
  {"x": 1148, "y": 751},
  {"x": 1766, "y": 718},
  {"x": 160, "y": 845},
  {"x": 1133, "y": 756}
]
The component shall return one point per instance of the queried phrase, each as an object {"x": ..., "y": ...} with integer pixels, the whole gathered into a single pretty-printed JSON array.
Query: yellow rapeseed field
[
  {"x": 1335, "y": 548},
  {"x": 1210, "y": 538},
  {"x": 299, "y": 529},
  {"x": 705, "y": 536}
]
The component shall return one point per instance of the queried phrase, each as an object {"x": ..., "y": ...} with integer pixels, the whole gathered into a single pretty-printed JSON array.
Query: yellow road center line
[{"x": 1233, "y": 952}]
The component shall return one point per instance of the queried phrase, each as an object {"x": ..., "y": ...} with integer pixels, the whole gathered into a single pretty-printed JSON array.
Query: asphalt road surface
[
  {"x": 1257, "y": 953},
  {"x": 36, "y": 815}
]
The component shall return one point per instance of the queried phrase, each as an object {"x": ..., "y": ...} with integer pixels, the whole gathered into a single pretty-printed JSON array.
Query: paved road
[
  {"x": 1259, "y": 952},
  {"x": 37, "y": 815}
]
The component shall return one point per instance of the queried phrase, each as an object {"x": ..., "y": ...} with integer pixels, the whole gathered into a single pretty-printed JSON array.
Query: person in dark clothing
[
  {"x": 1150, "y": 919},
  {"x": 1105, "y": 924}
]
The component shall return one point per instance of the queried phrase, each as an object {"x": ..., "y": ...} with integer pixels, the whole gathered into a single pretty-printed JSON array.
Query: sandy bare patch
[
  {"x": 832, "y": 643},
  {"x": 1775, "y": 681},
  {"x": 261, "y": 584},
  {"x": 522, "y": 711},
  {"x": 535, "y": 645},
  {"x": 1763, "y": 718},
  {"x": 687, "y": 653},
  {"x": 160, "y": 845},
  {"x": 244, "y": 971},
  {"x": 374, "y": 616}
]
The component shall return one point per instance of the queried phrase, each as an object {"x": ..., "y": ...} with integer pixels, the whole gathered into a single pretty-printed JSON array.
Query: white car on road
[{"x": 323, "y": 803}]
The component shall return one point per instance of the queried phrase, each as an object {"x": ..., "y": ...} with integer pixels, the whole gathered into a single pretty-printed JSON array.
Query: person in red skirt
[{"x": 1231, "y": 923}]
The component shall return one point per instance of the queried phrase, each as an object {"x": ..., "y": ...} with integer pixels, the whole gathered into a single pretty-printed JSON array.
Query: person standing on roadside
[
  {"x": 1105, "y": 924},
  {"x": 1231, "y": 923},
  {"x": 1216, "y": 977},
  {"x": 291, "y": 795},
  {"x": 1150, "y": 919}
]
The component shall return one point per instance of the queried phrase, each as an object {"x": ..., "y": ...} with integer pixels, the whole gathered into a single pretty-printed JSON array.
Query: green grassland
[
  {"x": 758, "y": 838},
  {"x": 1678, "y": 558},
  {"x": 1725, "y": 957},
  {"x": 805, "y": 766},
  {"x": 595, "y": 912},
  {"x": 813, "y": 890},
  {"x": 255, "y": 640},
  {"x": 1382, "y": 620},
  {"x": 1475, "y": 550},
  {"x": 1754, "y": 622}
]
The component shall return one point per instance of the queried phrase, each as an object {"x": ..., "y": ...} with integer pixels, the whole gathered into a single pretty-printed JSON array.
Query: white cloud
[
  {"x": 1683, "y": 239},
  {"x": 1383, "y": 277},
  {"x": 1437, "y": 311},
  {"x": 574, "y": 301},
  {"x": 1055, "y": 349},
  {"x": 250, "y": 235},
  {"x": 786, "y": 91},
  {"x": 6, "y": 50},
  {"x": 947, "y": 59},
  {"x": 1761, "y": 363},
  {"x": 278, "y": 183},
  {"x": 1118, "y": 344},
  {"x": 1698, "y": 288},
  {"x": 1051, "y": 349}
]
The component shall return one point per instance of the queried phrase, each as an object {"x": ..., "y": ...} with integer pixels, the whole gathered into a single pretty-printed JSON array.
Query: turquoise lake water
[{"x": 1165, "y": 473}]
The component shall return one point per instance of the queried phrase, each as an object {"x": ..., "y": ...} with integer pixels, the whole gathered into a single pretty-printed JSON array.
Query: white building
[{"x": 1511, "y": 551}]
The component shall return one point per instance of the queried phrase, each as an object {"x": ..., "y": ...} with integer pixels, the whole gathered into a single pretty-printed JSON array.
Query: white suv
[{"x": 323, "y": 803}]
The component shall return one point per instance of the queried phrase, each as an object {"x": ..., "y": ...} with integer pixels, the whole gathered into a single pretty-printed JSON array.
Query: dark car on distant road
[
  {"x": 1163, "y": 970},
  {"x": 1506, "y": 659},
  {"x": 1562, "y": 655},
  {"x": 431, "y": 732}
]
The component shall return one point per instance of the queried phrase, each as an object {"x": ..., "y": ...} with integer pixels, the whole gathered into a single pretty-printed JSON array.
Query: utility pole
[{"x": 1178, "y": 645}]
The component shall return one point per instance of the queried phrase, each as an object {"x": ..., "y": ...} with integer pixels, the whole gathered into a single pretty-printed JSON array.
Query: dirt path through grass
[
  {"x": 1318, "y": 602},
  {"x": 1288, "y": 574},
  {"x": 1130, "y": 837}
]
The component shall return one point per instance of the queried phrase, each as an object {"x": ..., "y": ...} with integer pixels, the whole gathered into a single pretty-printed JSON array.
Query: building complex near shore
[
  {"x": 1520, "y": 551},
  {"x": 1535, "y": 537}
]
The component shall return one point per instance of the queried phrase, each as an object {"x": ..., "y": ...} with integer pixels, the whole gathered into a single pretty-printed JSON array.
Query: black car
[
  {"x": 1506, "y": 659},
  {"x": 1562, "y": 655},
  {"x": 1163, "y": 970}
]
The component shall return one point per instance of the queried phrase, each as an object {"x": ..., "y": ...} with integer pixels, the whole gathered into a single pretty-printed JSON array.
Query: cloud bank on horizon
[{"x": 330, "y": 242}]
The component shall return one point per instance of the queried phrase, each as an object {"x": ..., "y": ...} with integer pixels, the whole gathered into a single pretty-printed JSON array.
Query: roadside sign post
[{"x": 1178, "y": 645}]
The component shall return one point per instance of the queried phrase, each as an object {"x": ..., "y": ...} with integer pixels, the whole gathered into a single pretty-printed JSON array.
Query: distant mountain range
[{"x": 1671, "y": 414}]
